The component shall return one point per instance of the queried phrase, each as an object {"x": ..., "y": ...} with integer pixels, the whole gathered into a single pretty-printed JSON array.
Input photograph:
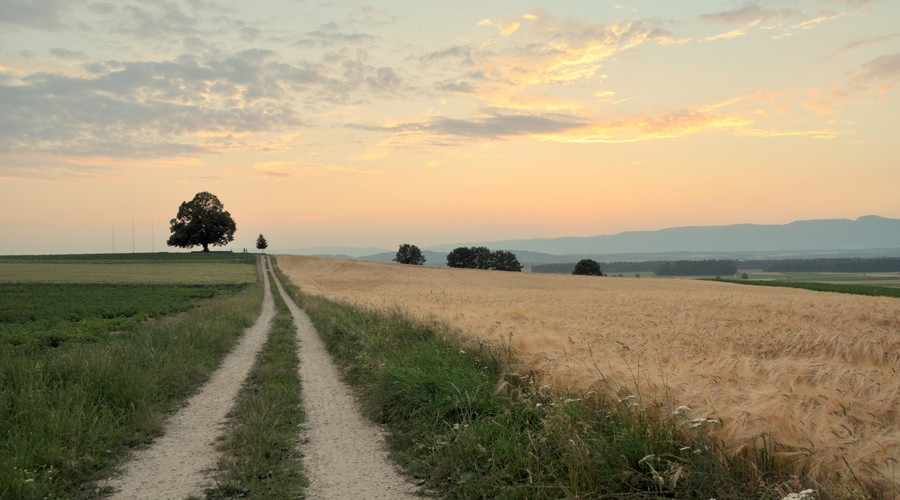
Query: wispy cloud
[
  {"x": 883, "y": 72},
  {"x": 725, "y": 36},
  {"x": 749, "y": 15},
  {"x": 46, "y": 15}
]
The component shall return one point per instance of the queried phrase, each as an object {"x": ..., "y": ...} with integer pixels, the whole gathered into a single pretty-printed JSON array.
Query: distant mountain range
[{"x": 868, "y": 236}]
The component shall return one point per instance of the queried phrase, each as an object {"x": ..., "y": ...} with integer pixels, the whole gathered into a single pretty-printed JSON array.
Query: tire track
[
  {"x": 344, "y": 454},
  {"x": 178, "y": 464}
]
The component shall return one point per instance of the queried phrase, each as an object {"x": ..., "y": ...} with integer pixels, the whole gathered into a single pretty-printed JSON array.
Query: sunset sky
[{"x": 378, "y": 123}]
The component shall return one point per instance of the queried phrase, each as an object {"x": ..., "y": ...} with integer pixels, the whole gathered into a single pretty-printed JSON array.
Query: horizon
[{"x": 353, "y": 125}]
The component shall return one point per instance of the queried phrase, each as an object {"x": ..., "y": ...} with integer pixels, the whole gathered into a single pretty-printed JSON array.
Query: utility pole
[
  {"x": 152, "y": 238},
  {"x": 114, "y": 236}
]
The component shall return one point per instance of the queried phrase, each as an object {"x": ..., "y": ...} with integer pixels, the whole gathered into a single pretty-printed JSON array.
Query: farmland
[
  {"x": 187, "y": 269},
  {"x": 813, "y": 372},
  {"x": 95, "y": 351}
]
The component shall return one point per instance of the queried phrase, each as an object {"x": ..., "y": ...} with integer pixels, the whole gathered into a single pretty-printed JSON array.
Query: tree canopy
[
  {"x": 483, "y": 258},
  {"x": 201, "y": 221},
  {"x": 409, "y": 254},
  {"x": 588, "y": 267}
]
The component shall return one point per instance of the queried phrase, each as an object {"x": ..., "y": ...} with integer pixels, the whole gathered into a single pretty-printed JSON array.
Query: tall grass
[
  {"x": 261, "y": 458},
  {"x": 467, "y": 427},
  {"x": 70, "y": 414}
]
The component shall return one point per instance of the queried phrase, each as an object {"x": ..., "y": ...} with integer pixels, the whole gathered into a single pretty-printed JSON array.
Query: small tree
[
  {"x": 588, "y": 267},
  {"x": 261, "y": 243},
  {"x": 201, "y": 221},
  {"x": 503, "y": 260},
  {"x": 409, "y": 254}
]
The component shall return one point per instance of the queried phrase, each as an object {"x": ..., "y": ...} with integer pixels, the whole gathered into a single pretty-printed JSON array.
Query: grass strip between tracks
[
  {"x": 261, "y": 457},
  {"x": 465, "y": 427}
]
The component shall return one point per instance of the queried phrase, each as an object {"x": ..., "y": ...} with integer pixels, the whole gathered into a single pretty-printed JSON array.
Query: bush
[{"x": 588, "y": 267}]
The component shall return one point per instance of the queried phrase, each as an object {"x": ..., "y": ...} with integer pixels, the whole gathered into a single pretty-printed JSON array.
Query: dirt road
[
  {"x": 178, "y": 464},
  {"x": 344, "y": 455}
]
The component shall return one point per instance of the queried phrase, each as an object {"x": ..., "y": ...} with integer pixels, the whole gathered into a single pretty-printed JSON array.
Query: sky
[{"x": 372, "y": 124}]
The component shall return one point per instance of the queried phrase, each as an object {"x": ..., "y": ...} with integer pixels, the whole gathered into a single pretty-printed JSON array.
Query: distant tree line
[
  {"x": 660, "y": 267},
  {"x": 608, "y": 267},
  {"x": 820, "y": 265},
  {"x": 839, "y": 265},
  {"x": 483, "y": 258},
  {"x": 697, "y": 268}
]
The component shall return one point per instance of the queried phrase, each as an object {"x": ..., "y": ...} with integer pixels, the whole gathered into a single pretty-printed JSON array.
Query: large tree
[
  {"x": 409, "y": 254},
  {"x": 201, "y": 221}
]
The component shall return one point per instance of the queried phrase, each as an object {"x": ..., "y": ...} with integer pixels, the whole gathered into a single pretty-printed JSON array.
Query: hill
[{"x": 820, "y": 236}]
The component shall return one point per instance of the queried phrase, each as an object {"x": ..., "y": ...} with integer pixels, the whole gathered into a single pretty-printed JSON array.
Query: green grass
[
  {"x": 876, "y": 279},
  {"x": 467, "y": 428},
  {"x": 855, "y": 289},
  {"x": 34, "y": 317},
  {"x": 87, "y": 371},
  {"x": 97, "y": 258},
  {"x": 155, "y": 268},
  {"x": 261, "y": 457}
]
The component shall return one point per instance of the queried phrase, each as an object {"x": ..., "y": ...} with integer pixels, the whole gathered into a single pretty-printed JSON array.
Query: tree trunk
[{"x": 205, "y": 247}]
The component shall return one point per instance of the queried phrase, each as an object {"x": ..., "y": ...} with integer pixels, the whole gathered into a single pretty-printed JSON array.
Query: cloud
[
  {"x": 493, "y": 125},
  {"x": 884, "y": 70},
  {"x": 671, "y": 124},
  {"x": 149, "y": 108},
  {"x": 45, "y": 15},
  {"x": 329, "y": 35},
  {"x": 724, "y": 36},
  {"x": 749, "y": 15},
  {"x": 863, "y": 43},
  {"x": 146, "y": 23},
  {"x": 177, "y": 107}
]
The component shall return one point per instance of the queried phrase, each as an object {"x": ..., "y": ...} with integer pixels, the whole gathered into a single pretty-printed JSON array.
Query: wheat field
[{"x": 817, "y": 373}]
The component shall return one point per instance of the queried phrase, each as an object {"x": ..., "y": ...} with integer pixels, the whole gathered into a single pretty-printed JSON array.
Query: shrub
[{"x": 588, "y": 267}]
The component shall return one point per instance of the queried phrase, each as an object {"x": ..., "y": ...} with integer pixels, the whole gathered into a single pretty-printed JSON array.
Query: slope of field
[{"x": 815, "y": 372}]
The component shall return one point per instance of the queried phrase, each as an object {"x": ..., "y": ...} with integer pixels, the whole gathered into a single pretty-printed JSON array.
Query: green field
[
  {"x": 96, "y": 351},
  {"x": 161, "y": 268},
  {"x": 879, "y": 279}
]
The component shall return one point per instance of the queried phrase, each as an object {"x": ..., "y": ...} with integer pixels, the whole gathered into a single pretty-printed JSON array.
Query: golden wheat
[{"x": 817, "y": 373}]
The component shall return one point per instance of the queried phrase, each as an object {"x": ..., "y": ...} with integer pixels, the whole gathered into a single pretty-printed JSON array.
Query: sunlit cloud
[
  {"x": 726, "y": 36},
  {"x": 634, "y": 129},
  {"x": 750, "y": 14},
  {"x": 821, "y": 19}
]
